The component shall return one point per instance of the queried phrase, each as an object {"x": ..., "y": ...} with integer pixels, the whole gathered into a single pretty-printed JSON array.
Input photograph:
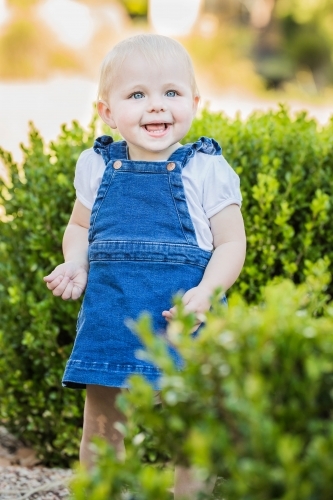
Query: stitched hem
[{"x": 80, "y": 373}]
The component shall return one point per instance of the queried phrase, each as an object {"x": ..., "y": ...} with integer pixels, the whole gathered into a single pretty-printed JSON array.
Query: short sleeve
[
  {"x": 221, "y": 187},
  {"x": 88, "y": 175}
]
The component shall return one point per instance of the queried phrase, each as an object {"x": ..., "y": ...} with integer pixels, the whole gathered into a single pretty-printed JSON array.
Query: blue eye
[
  {"x": 171, "y": 93},
  {"x": 137, "y": 95}
]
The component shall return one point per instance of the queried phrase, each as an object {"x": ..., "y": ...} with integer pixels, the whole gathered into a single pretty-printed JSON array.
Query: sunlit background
[{"x": 248, "y": 54}]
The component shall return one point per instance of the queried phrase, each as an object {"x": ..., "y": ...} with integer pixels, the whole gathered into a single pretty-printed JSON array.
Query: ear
[
  {"x": 196, "y": 100},
  {"x": 105, "y": 113}
]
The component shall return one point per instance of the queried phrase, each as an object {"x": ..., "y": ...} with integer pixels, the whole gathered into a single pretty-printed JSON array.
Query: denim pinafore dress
[{"x": 142, "y": 251}]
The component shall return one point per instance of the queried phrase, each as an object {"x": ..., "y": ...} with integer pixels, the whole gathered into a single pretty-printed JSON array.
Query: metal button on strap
[
  {"x": 171, "y": 166},
  {"x": 117, "y": 164}
]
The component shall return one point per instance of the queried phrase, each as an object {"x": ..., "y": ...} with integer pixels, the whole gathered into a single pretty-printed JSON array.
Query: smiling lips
[{"x": 156, "y": 128}]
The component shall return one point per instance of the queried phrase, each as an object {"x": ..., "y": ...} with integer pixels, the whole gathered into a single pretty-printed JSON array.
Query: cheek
[
  {"x": 185, "y": 114},
  {"x": 126, "y": 117}
]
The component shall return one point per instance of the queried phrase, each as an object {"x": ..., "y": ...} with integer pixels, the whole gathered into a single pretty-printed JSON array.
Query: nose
[{"x": 156, "y": 104}]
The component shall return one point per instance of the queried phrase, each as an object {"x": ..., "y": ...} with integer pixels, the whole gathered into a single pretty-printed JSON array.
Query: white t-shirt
[{"x": 210, "y": 185}]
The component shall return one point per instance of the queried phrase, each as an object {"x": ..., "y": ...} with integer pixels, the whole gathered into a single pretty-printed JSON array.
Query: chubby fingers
[
  {"x": 56, "y": 273},
  {"x": 58, "y": 285},
  {"x": 63, "y": 286},
  {"x": 53, "y": 282},
  {"x": 168, "y": 315},
  {"x": 71, "y": 291}
]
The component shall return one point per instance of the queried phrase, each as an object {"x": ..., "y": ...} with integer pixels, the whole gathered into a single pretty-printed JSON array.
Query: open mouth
[{"x": 156, "y": 128}]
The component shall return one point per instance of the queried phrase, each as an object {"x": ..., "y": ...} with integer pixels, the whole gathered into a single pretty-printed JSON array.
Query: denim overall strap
[
  {"x": 204, "y": 145},
  {"x": 109, "y": 149}
]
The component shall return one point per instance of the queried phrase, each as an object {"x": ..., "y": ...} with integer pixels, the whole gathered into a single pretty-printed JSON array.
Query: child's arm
[
  {"x": 69, "y": 279},
  {"x": 226, "y": 263}
]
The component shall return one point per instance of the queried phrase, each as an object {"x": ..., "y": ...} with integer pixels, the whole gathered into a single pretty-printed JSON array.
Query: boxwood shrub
[
  {"x": 36, "y": 329},
  {"x": 253, "y": 405},
  {"x": 286, "y": 170},
  {"x": 285, "y": 166}
]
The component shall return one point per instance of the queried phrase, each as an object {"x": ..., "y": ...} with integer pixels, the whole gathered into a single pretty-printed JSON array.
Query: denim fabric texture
[{"x": 142, "y": 251}]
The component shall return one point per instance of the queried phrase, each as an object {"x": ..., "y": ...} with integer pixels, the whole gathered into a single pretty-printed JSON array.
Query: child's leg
[
  {"x": 100, "y": 414},
  {"x": 187, "y": 484}
]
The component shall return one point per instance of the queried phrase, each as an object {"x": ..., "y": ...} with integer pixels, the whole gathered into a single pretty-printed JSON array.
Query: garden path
[
  {"x": 36, "y": 483},
  {"x": 21, "y": 478}
]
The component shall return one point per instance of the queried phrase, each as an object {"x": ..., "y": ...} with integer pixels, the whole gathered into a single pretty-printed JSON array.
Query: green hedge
[
  {"x": 253, "y": 405},
  {"x": 36, "y": 329},
  {"x": 286, "y": 169}
]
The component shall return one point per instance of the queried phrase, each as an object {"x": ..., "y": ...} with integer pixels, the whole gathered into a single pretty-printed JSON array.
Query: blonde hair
[{"x": 153, "y": 47}]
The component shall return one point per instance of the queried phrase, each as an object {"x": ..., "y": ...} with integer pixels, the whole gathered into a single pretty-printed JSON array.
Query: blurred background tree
[
  {"x": 265, "y": 43},
  {"x": 136, "y": 8},
  {"x": 286, "y": 40},
  {"x": 26, "y": 48}
]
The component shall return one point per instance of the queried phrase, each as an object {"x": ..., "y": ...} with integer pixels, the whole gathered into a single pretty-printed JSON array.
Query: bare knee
[
  {"x": 100, "y": 415},
  {"x": 188, "y": 483},
  {"x": 100, "y": 411}
]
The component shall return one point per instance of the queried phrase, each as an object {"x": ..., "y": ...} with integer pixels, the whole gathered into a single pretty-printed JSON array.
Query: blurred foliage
[
  {"x": 308, "y": 46},
  {"x": 222, "y": 59},
  {"x": 303, "y": 12},
  {"x": 285, "y": 167},
  {"x": 248, "y": 43},
  {"x": 26, "y": 51},
  {"x": 136, "y": 8},
  {"x": 282, "y": 38},
  {"x": 298, "y": 37},
  {"x": 253, "y": 404},
  {"x": 22, "y": 4}
]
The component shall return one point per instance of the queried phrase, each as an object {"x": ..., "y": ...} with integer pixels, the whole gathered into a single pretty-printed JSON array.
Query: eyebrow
[{"x": 141, "y": 85}]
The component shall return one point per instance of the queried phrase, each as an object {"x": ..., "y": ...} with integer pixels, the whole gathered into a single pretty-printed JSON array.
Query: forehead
[{"x": 142, "y": 69}]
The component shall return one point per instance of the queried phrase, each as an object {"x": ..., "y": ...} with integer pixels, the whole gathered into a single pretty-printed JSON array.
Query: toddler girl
[{"x": 152, "y": 217}]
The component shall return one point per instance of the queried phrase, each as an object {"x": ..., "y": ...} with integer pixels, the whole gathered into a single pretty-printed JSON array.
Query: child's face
[{"x": 151, "y": 105}]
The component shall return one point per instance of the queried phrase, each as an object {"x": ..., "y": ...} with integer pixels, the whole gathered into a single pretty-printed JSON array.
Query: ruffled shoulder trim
[
  {"x": 110, "y": 149},
  {"x": 207, "y": 145},
  {"x": 203, "y": 145},
  {"x": 101, "y": 143}
]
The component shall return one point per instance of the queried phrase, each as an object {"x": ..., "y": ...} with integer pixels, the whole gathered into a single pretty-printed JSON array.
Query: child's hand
[
  {"x": 196, "y": 300},
  {"x": 68, "y": 280}
]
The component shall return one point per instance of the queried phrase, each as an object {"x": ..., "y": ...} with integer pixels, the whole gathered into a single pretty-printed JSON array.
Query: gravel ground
[
  {"x": 33, "y": 483},
  {"x": 22, "y": 478}
]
